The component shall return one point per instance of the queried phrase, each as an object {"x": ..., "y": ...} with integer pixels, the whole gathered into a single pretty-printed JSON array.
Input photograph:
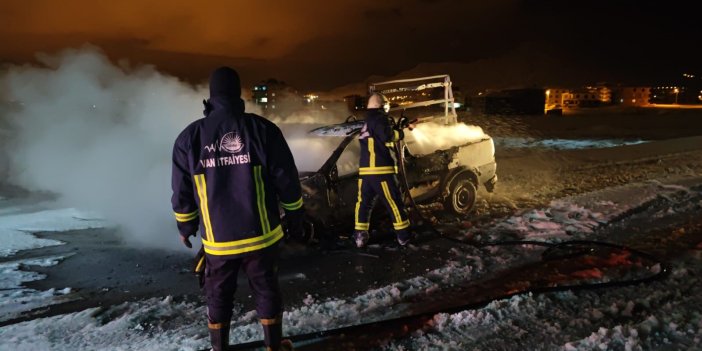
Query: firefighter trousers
[
  {"x": 261, "y": 269},
  {"x": 386, "y": 188}
]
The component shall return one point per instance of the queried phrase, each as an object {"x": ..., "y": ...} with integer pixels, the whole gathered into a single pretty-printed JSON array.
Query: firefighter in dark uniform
[
  {"x": 231, "y": 171},
  {"x": 378, "y": 172}
]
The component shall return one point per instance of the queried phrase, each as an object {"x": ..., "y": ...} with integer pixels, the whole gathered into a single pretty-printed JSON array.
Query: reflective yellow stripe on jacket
[
  {"x": 244, "y": 245},
  {"x": 186, "y": 217},
  {"x": 377, "y": 170},
  {"x": 235, "y": 247},
  {"x": 293, "y": 205},
  {"x": 261, "y": 200},
  {"x": 201, "y": 185}
]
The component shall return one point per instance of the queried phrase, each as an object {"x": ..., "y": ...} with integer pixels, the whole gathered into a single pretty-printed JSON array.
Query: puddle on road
[{"x": 563, "y": 144}]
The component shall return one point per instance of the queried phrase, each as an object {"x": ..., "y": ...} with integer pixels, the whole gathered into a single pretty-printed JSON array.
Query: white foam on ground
[
  {"x": 16, "y": 299},
  {"x": 562, "y": 144},
  {"x": 585, "y": 320},
  {"x": 466, "y": 264},
  {"x": 153, "y": 324},
  {"x": 560, "y": 221},
  {"x": 664, "y": 315},
  {"x": 580, "y": 215},
  {"x": 16, "y": 228}
]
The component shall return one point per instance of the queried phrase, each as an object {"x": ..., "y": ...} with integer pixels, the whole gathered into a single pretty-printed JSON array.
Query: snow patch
[
  {"x": 16, "y": 229},
  {"x": 579, "y": 216},
  {"x": 16, "y": 299},
  {"x": 642, "y": 317},
  {"x": 153, "y": 324},
  {"x": 562, "y": 144},
  {"x": 561, "y": 220}
]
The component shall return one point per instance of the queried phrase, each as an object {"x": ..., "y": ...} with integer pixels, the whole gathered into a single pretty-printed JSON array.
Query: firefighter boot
[
  {"x": 286, "y": 345},
  {"x": 219, "y": 336},
  {"x": 404, "y": 237},
  {"x": 361, "y": 238},
  {"x": 272, "y": 333}
]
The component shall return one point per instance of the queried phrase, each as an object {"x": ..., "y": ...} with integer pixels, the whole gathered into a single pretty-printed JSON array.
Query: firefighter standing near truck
[
  {"x": 231, "y": 171},
  {"x": 378, "y": 172}
]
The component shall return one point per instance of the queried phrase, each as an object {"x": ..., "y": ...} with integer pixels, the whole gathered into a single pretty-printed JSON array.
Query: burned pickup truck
[{"x": 451, "y": 175}]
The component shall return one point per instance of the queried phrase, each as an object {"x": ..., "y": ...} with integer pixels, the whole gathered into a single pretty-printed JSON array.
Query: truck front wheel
[{"x": 461, "y": 196}]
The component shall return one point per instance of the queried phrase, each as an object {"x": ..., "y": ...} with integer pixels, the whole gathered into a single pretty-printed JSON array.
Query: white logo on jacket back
[{"x": 231, "y": 143}]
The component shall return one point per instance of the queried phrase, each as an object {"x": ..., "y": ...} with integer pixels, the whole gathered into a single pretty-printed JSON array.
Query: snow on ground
[
  {"x": 583, "y": 214},
  {"x": 16, "y": 228},
  {"x": 180, "y": 326},
  {"x": 152, "y": 324},
  {"x": 562, "y": 144},
  {"x": 16, "y": 299},
  {"x": 631, "y": 318},
  {"x": 664, "y": 315}
]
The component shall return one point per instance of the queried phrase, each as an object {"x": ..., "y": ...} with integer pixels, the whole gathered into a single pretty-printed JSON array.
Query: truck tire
[{"x": 461, "y": 196}]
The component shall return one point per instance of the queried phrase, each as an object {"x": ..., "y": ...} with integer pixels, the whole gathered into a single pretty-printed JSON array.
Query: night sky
[{"x": 319, "y": 45}]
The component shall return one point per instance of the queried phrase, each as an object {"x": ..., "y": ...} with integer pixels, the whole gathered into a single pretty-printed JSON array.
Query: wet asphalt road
[{"x": 102, "y": 271}]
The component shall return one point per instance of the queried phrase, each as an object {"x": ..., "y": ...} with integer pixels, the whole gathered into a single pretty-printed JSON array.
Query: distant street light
[{"x": 676, "y": 91}]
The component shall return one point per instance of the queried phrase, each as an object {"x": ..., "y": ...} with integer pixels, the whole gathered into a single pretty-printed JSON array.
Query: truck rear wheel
[{"x": 461, "y": 196}]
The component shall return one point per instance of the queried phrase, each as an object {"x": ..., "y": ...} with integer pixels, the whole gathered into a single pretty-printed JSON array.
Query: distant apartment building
[
  {"x": 274, "y": 94},
  {"x": 631, "y": 96},
  {"x": 590, "y": 96},
  {"x": 685, "y": 91},
  {"x": 555, "y": 98},
  {"x": 264, "y": 94},
  {"x": 581, "y": 98}
]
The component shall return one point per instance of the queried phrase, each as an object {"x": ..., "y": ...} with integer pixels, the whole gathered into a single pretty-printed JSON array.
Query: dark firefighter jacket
[
  {"x": 230, "y": 170},
  {"x": 377, "y": 140}
]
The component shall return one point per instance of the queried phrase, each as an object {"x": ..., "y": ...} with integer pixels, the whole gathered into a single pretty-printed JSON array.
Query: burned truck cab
[
  {"x": 330, "y": 191},
  {"x": 450, "y": 175}
]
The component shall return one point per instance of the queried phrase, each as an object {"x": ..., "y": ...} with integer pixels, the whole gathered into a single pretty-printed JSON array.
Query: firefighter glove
[
  {"x": 405, "y": 122},
  {"x": 294, "y": 225},
  {"x": 186, "y": 240}
]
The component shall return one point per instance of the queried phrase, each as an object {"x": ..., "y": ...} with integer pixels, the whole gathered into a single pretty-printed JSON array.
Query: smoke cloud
[
  {"x": 310, "y": 152},
  {"x": 429, "y": 137},
  {"x": 100, "y": 136}
]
